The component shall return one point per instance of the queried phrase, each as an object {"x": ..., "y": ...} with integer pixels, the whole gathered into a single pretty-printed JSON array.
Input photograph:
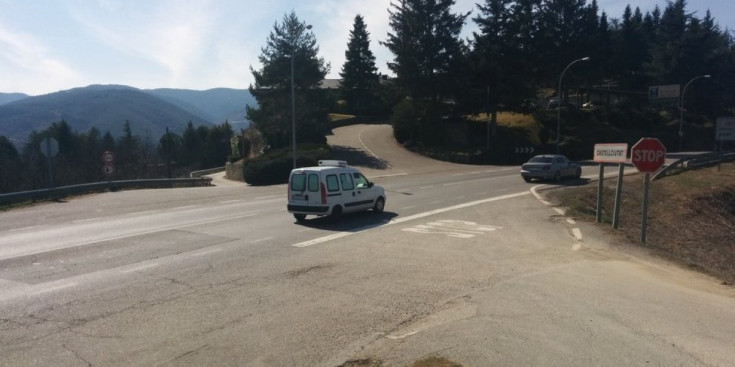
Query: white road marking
[
  {"x": 266, "y": 197},
  {"x": 185, "y": 207},
  {"x": 55, "y": 288},
  {"x": 397, "y": 337},
  {"x": 139, "y": 268},
  {"x": 577, "y": 234},
  {"x": 261, "y": 240},
  {"x": 408, "y": 218},
  {"x": 571, "y": 221},
  {"x": 232, "y": 201},
  {"x": 206, "y": 252},
  {"x": 560, "y": 211}
]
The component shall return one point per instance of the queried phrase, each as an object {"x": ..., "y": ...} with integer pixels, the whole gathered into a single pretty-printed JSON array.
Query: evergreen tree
[
  {"x": 10, "y": 166},
  {"x": 192, "y": 144},
  {"x": 561, "y": 36},
  {"x": 289, "y": 44},
  {"x": 426, "y": 47},
  {"x": 359, "y": 74}
]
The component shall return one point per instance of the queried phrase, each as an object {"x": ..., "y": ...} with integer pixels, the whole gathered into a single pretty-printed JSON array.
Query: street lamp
[
  {"x": 293, "y": 97},
  {"x": 681, "y": 108},
  {"x": 558, "y": 107}
]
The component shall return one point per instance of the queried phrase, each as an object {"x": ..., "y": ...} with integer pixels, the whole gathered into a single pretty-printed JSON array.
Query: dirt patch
[{"x": 691, "y": 215}]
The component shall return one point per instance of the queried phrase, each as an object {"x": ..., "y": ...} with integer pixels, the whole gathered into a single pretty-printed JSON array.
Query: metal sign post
[
  {"x": 647, "y": 155},
  {"x": 50, "y": 147},
  {"x": 644, "y": 220},
  {"x": 609, "y": 153}
]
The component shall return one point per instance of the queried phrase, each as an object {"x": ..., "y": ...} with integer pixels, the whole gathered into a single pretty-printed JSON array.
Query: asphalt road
[{"x": 467, "y": 262}]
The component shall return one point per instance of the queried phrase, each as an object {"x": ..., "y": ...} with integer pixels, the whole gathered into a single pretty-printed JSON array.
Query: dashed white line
[
  {"x": 560, "y": 211},
  {"x": 571, "y": 221},
  {"x": 577, "y": 234},
  {"x": 261, "y": 240}
]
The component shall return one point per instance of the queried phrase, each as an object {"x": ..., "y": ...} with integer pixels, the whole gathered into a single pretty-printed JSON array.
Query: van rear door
[{"x": 303, "y": 192}]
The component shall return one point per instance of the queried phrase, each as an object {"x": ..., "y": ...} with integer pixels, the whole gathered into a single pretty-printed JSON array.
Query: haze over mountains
[{"x": 107, "y": 107}]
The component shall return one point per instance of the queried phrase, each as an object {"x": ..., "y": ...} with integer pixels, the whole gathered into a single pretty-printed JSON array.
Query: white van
[{"x": 331, "y": 189}]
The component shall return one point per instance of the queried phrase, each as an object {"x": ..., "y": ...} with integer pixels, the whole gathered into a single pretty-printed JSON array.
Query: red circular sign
[
  {"x": 648, "y": 155},
  {"x": 108, "y": 157}
]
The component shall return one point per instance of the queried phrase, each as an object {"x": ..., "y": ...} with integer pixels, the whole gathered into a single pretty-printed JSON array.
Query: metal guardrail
[
  {"x": 694, "y": 162},
  {"x": 63, "y": 191},
  {"x": 205, "y": 172}
]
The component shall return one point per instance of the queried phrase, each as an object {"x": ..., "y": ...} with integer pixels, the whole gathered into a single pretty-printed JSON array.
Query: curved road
[{"x": 467, "y": 262}]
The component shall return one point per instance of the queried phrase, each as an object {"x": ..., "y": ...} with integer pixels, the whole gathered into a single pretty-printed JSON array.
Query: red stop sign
[{"x": 648, "y": 155}]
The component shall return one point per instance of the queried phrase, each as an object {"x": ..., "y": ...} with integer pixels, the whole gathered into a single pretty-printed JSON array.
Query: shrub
[{"x": 274, "y": 166}]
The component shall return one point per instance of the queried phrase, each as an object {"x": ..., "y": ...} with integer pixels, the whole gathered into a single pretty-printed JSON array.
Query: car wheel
[
  {"x": 557, "y": 176},
  {"x": 300, "y": 217},
  {"x": 526, "y": 179},
  {"x": 379, "y": 205},
  {"x": 579, "y": 173},
  {"x": 336, "y": 215}
]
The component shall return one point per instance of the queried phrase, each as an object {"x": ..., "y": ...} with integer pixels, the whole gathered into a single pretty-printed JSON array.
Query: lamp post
[
  {"x": 559, "y": 96},
  {"x": 681, "y": 108},
  {"x": 293, "y": 98}
]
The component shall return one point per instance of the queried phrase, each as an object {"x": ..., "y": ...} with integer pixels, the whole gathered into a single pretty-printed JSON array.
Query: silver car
[{"x": 550, "y": 167}]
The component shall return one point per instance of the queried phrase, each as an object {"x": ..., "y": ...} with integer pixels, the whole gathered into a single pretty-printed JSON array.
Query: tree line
[
  {"x": 79, "y": 157},
  {"x": 511, "y": 63}
]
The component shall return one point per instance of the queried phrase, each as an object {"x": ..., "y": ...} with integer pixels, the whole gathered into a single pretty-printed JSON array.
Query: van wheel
[
  {"x": 300, "y": 217},
  {"x": 336, "y": 214},
  {"x": 579, "y": 173},
  {"x": 557, "y": 176},
  {"x": 379, "y": 205}
]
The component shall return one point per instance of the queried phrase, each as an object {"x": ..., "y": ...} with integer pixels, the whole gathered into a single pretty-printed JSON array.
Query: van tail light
[{"x": 324, "y": 193}]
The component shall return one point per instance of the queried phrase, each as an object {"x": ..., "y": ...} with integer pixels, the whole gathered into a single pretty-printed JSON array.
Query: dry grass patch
[{"x": 691, "y": 215}]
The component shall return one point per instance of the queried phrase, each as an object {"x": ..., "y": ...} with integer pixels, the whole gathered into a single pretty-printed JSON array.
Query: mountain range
[{"x": 108, "y": 107}]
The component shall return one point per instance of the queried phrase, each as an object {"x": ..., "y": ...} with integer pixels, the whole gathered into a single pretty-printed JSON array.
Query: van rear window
[
  {"x": 313, "y": 182},
  {"x": 298, "y": 182}
]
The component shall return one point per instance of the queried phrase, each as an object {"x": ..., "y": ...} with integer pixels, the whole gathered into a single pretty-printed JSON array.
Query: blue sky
[{"x": 52, "y": 45}]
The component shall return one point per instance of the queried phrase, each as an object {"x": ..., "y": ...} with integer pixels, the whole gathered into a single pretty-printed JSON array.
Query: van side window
[
  {"x": 313, "y": 183},
  {"x": 360, "y": 181},
  {"x": 346, "y": 181},
  {"x": 332, "y": 183}
]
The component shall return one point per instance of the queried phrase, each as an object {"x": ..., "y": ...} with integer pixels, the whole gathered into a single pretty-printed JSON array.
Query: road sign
[
  {"x": 49, "y": 147},
  {"x": 525, "y": 150},
  {"x": 108, "y": 157},
  {"x": 648, "y": 155},
  {"x": 664, "y": 91},
  {"x": 611, "y": 153},
  {"x": 108, "y": 169},
  {"x": 726, "y": 129}
]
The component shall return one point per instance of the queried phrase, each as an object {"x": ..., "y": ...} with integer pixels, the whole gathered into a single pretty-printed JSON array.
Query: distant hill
[
  {"x": 216, "y": 105},
  {"x": 11, "y": 97},
  {"x": 105, "y": 107}
]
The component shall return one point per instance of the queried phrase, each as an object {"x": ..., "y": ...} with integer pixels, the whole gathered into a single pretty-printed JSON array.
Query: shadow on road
[
  {"x": 353, "y": 222},
  {"x": 358, "y": 157}
]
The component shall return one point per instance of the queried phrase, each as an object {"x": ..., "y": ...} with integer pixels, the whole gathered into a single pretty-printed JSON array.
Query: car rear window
[{"x": 540, "y": 160}]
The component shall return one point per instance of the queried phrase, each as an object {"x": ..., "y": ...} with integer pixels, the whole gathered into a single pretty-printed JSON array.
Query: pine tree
[
  {"x": 426, "y": 46},
  {"x": 359, "y": 74},
  {"x": 290, "y": 43}
]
